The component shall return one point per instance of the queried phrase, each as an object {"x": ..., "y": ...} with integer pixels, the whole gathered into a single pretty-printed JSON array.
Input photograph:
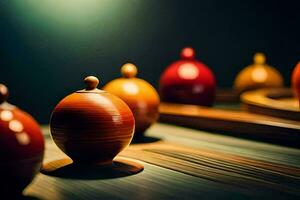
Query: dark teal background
[{"x": 46, "y": 52}]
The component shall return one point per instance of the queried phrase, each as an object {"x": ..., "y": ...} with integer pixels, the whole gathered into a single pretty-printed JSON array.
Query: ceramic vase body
[
  {"x": 21, "y": 149},
  {"x": 258, "y": 75},
  {"x": 188, "y": 81},
  {"x": 92, "y": 127},
  {"x": 142, "y": 99},
  {"x": 296, "y": 81}
]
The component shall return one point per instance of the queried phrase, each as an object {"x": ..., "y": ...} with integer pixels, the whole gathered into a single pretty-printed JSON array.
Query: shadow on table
[
  {"x": 29, "y": 198},
  {"x": 65, "y": 168},
  {"x": 144, "y": 139},
  {"x": 18, "y": 197}
]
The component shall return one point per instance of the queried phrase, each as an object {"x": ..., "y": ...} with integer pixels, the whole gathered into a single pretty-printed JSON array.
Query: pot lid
[
  {"x": 91, "y": 83},
  {"x": 188, "y": 69},
  {"x": 259, "y": 60},
  {"x": 129, "y": 70},
  {"x": 3, "y": 93},
  {"x": 130, "y": 88},
  {"x": 257, "y": 75},
  {"x": 3, "y": 97}
]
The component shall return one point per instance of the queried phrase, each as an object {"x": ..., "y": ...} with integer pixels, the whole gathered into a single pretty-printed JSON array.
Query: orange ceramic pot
[
  {"x": 92, "y": 126},
  {"x": 21, "y": 147},
  {"x": 296, "y": 81},
  {"x": 139, "y": 95},
  {"x": 258, "y": 75}
]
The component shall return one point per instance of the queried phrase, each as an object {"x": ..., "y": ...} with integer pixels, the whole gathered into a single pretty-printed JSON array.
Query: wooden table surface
[{"x": 182, "y": 163}]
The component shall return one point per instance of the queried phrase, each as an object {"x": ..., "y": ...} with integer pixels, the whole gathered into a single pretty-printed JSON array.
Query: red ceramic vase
[
  {"x": 188, "y": 81},
  {"x": 296, "y": 81},
  {"x": 21, "y": 147}
]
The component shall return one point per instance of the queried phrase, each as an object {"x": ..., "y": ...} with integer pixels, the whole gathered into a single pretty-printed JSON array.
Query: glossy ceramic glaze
[
  {"x": 258, "y": 75},
  {"x": 21, "y": 147},
  {"x": 296, "y": 81},
  {"x": 139, "y": 95},
  {"x": 188, "y": 81},
  {"x": 92, "y": 126}
]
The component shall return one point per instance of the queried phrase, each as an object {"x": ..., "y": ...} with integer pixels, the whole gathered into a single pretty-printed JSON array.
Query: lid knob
[
  {"x": 187, "y": 53},
  {"x": 259, "y": 58},
  {"x": 3, "y": 93},
  {"x": 91, "y": 82},
  {"x": 129, "y": 70}
]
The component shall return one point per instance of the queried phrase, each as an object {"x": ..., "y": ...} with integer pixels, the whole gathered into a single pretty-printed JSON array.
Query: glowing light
[
  {"x": 130, "y": 88},
  {"x": 73, "y": 26},
  {"x": 259, "y": 74},
  {"x": 188, "y": 71},
  {"x": 16, "y": 126},
  {"x": 65, "y": 10},
  {"x": 65, "y": 14},
  {"x": 6, "y": 115},
  {"x": 23, "y": 138}
]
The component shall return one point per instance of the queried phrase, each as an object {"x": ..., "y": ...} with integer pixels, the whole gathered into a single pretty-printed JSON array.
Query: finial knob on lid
[
  {"x": 91, "y": 82},
  {"x": 259, "y": 58},
  {"x": 129, "y": 70},
  {"x": 3, "y": 93},
  {"x": 187, "y": 53}
]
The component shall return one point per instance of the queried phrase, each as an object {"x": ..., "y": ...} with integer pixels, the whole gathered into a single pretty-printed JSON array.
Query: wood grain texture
[
  {"x": 186, "y": 164},
  {"x": 273, "y": 102},
  {"x": 92, "y": 127},
  {"x": 224, "y": 168},
  {"x": 237, "y": 123},
  {"x": 228, "y": 95},
  {"x": 139, "y": 95}
]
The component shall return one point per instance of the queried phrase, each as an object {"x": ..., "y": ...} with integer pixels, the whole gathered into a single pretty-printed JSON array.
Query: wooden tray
[
  {"x": 236, "y": 123},
  {"x": 273, "y": 102}
]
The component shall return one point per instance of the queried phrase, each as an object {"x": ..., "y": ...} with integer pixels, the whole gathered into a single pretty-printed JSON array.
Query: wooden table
[{"x": 182, "y": 163}]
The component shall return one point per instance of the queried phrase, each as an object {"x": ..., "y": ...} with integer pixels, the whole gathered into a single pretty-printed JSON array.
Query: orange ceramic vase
[
  {"x": 296, "y": 81},
  {"x": 21, "y": 148},
  {"x": 92, "y": 126},
  {"x": 258, "y": 75},
  {"x": 139, "y": 95}
]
